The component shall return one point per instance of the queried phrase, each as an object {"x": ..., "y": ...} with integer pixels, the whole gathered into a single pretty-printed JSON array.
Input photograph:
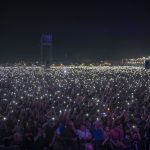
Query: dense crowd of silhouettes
[{"x": 74, "y": 108}]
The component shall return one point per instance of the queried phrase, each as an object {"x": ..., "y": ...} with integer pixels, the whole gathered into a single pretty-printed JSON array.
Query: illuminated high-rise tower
[{"x": 46, "y": 49}]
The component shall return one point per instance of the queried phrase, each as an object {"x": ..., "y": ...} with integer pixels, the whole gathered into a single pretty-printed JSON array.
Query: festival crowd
[{"x": 74, "y": 108}]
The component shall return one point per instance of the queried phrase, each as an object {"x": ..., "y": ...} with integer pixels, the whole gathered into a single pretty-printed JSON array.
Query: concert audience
[{"x": 74, "y": 108}]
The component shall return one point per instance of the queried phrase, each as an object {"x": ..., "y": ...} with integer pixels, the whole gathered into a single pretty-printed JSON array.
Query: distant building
[
  {"x": 135, "y": 61},
  {"x": 46, "y": 49}
]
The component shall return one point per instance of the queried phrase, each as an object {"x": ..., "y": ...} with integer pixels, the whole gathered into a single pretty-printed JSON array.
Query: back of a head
[{"x": 89, "y": 147}]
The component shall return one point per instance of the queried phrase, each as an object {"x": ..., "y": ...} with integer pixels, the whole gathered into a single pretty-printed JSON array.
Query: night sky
[{"x": 81, "y": 29}]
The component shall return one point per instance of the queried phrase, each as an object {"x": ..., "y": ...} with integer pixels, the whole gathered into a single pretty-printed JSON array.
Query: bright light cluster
[{"x": 71, "y": 91}]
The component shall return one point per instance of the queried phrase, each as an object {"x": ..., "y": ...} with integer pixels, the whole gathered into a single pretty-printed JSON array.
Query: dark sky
[{"x": 86, "y": 29}]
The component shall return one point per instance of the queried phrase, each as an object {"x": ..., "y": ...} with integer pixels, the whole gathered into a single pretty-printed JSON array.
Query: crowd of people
[{"x": 74, "y": 108}]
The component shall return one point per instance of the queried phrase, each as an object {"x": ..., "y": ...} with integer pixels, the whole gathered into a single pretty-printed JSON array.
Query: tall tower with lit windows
[{"x": 46, "y": 49}]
